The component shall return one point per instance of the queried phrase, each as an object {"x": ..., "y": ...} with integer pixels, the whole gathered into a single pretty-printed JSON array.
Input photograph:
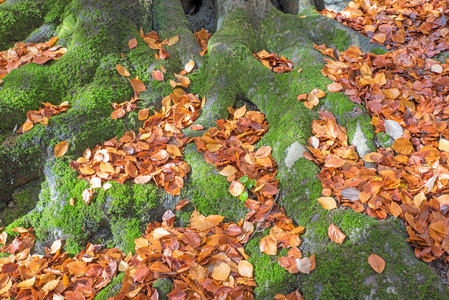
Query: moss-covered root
[{"x": 170, "y": 20}]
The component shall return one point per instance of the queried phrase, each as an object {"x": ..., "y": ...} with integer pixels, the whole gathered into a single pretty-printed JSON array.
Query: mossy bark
[{"x": 95, "y": 34}]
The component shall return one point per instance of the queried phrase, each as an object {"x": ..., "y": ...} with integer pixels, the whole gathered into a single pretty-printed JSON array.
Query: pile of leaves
[
  {"x": 407, "y": 97},
  {"x": 42, "y": 115},
  {"x": 273, "y": 62},
  {"x": 229, "y": 147},
  {"x": 203, "y": 38},
  {"x": 54, "y": 275},
  {"x": 155, "y": 153},
  {"x": 205, "y": 260},
  {"x": 421, "y": 25},
  {"x": 22, "y": 54}
]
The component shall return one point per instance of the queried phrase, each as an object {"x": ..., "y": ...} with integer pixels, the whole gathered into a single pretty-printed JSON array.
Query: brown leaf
[
  {"x": 228, "y": 170},
  {"x": 122, "y": 70},
  {"x": 132, "y": 43},
  {"x": 118, "y": 113},
  {"x": 268, "y": 245},
  {"x": 158, "y": 75},
  {"x": 181, "y": 204},
  {"x": 196, "y": 127},
  {"x": 377, "y": 263},
  {"x": 402, "y": 146},
  {"x": 334, "y": 87},
  {"x": 61, "y": 148},
  {"x": 335, "y": 234},
  {"x": 173, "y": 40},
  {"x": 143, "y": 114},
  {"x": 137, "y": 85}
]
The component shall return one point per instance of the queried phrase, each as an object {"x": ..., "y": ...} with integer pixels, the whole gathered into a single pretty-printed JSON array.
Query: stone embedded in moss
[
  {"x": 112, "y": 289},
  {"x": 163, "y": 286}
]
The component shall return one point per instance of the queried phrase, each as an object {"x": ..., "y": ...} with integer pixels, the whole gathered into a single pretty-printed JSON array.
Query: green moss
[
  {"x": 343, "y": 271},
  {"x": 164, "y": 286},
  {"x": 378, "y": 51},
  {"x": 208, "y": 190},
  {"x": 18, "y": 19},
  {"x": 112, "y": 289},
  {"x": 270, "y": 277},
  {"x": 23, "y": 201}
]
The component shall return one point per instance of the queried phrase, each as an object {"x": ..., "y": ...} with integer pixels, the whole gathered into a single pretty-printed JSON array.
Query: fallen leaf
[
  {"x": 327, "y": 203},
  {"x": 335, "y": 234},
  {"x": 197, "y": 127},
  {"x": 61, "y": 148},
  {"x": 245, "y": 268},
  {"x": 132, "y": 43},
  {"x": 158, "y": 75},
  {"x": 122, "y": 70},
  {"x": 173, "y": 40},
  {"x": 377, "y": 263},
  {"x": 189, "y": 66}
]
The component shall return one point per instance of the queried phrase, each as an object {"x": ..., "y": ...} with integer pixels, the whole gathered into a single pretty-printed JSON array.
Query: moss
[
  {"x": 208, "y": 190},
  {"x": 401, "y": 278},
  {"x": 18, "y": 19},
  {"x": 378, "y": 51},
  {"x": 163, "y": 286},
  {"x": 270, "y": 277},
  {"x": 23, "y": 201},
  {"x": 112, "y": 289}
]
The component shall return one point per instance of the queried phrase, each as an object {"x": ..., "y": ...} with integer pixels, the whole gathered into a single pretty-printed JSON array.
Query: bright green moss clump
[{"x": 112, "y": 289}]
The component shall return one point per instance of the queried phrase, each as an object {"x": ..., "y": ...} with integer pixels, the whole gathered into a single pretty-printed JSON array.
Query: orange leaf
[
  {"x": 236, "y": 188},
  {"x": 118, "y": 113},
  {"x": 181, "y": 204},
  {"x": 228, "y": 170},
  {"x": 268, "y": 245},
  {"x": 137, "y": 85},
  {"x": 122, "y": 70},
  {"x": 377, "y": 263},
  {"x": 221, "y": 271},
  {"x": 158, "y": 75},
  {"x": 61, "y": 148},
  {"x": 197, "y": 127},
  {"x": 245, "y": 268},
  {"x": 40, "y": 60},
  {"x": 335, "y": 234},
  {"x": 443, "y": 145},
  {"x": 395, "y": 209},
  {"x": 327, "y": 202},
  {"x": 143, "y": 114},
  {"x": 173, "y": 40},
  {"x": 402, "y": 146},
  {"x": 334, "y": 87},
  {"x": 132, "y": 43}
]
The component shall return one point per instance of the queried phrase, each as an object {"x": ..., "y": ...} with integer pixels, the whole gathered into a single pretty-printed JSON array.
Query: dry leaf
[
  {"x": 377, "y": 263},
  {"x": 122, "y": 70},
  {"x": 61, "y": 148},
  {"x": 158, "y": 75},
  {"x": 335, "y": 234},
  {"x": 327, "y": 203},
  {"x": 132, "y": 43}
]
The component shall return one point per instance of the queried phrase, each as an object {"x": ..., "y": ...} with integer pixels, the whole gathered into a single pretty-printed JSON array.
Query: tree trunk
[{"x": 95, "y": 34}]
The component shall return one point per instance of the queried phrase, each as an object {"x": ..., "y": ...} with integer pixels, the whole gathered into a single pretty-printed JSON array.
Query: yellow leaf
[
  {"x": 327, "y": 203},
  {"x": 122, "y": 70},
  {"x": 61, "y": 148}
]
